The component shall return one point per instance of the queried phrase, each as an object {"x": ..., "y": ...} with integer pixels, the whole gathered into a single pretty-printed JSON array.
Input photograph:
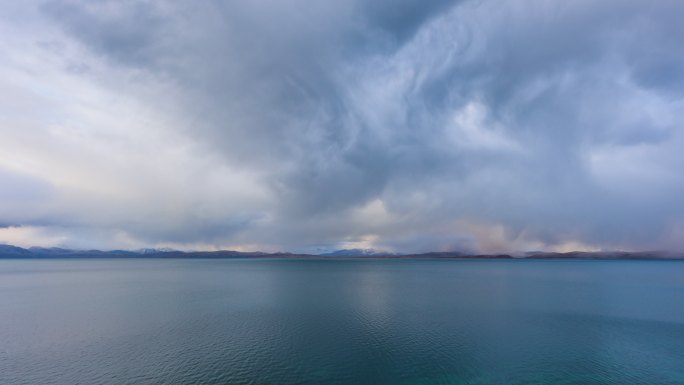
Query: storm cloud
[{"x": 313, "y": 125}]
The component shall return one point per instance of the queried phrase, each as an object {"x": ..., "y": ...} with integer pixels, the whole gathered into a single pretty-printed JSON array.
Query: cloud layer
[{"x": 312, "y": 125}]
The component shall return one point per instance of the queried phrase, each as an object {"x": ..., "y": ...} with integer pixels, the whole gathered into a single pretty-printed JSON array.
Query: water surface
[{"x": 341, "y": 322}]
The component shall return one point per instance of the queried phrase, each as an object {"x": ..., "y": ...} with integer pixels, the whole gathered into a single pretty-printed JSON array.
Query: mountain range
[{"x": 10, "y": 251}]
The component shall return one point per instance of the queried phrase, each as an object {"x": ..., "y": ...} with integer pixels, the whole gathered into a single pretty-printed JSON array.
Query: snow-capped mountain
[{"x": 357, "y": 253}]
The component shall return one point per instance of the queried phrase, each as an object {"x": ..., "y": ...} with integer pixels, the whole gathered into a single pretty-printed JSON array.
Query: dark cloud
[
  {"x": 124, "y": 31},
  {"x": 402, "y": 18}
]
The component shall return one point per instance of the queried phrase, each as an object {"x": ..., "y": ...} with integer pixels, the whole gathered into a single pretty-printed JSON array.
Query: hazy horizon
[{"x": 312, "y": 126}]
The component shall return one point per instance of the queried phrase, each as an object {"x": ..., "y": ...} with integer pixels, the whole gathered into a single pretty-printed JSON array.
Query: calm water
[{"x": 341, "y": 322}]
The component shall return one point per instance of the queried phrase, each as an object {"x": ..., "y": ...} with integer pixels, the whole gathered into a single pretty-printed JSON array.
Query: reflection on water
[{"x": 341, "y": 322}]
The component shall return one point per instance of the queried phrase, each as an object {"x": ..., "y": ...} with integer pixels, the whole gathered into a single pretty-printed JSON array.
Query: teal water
[{"x": 341, "y": 322}]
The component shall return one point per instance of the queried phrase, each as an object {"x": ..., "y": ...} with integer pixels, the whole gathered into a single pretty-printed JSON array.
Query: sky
[{"x": 309, "y": 126}]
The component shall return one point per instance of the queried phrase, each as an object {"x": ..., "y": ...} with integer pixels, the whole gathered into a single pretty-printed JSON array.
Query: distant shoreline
[{"x": 14, "y": 252}]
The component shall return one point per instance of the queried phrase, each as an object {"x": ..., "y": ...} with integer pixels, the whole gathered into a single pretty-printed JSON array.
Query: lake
[{"x": 154, "y": 321}]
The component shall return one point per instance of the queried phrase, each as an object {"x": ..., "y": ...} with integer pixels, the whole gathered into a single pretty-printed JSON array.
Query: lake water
[{"x": 145, "y": 321}]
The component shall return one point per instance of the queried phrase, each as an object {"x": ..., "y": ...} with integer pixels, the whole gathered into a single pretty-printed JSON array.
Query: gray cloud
[
  {"x": 25, "y": 199},
  {"x": 403, "y": 125}
]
